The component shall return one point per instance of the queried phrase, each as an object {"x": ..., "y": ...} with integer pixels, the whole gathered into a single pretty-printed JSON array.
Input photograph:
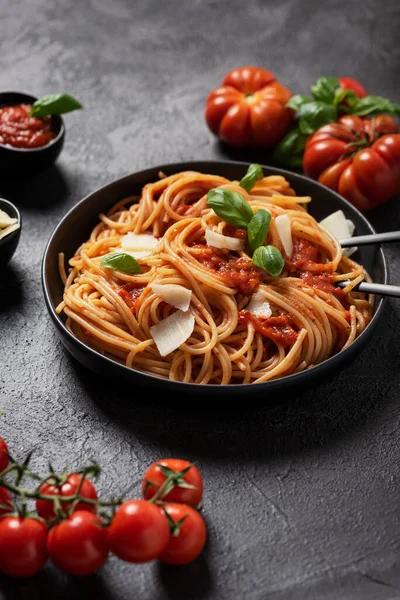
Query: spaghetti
[{"x": 309, "y": 320}]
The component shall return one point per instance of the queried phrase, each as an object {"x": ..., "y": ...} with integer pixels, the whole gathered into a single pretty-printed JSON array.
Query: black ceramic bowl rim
[
  {"x": 6, "y": 239},
  {"x": 295, "y": 379},
  {"x": 31, "y": 99}
]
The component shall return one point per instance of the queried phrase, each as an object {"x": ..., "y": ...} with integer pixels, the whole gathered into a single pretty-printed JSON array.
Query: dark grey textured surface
[{"x": 302, "y": 496}]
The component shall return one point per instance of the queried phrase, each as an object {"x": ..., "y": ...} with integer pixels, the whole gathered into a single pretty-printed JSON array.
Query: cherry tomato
[
  {"x": 186, "y": 544},
  {"x": 45, "y": 508},
  {"x": 249, "y": 109},
  {"x": 22, "y": 546},
  {"x": 3, "y": 454},
  {"x": 139, "y": 532},
  {"x": 347, "y": 83},
  {"x": 155, "y": 477},
  {"x": 359, "y": 158},
  {"x": 78, "y": 545},
  {"x": 5, "y": 501}
]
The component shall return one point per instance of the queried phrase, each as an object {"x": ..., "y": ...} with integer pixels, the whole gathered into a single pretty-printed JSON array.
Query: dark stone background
[{"x": 302, "y": 494}]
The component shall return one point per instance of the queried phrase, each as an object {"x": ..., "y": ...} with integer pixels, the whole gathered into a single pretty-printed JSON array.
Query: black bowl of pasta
[{"x": 204, "y": 276}]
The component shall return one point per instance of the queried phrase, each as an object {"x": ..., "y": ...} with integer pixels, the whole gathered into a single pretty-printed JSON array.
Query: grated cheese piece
[
  {"x": 259, "y": 305},
  {"x": 223, "y": 241},
  {"x": 285, "y": 233},
  {"x": 173, "y": 331},
  {"x": 176, "y": 295},
  {"x": 340, "y": 227}
]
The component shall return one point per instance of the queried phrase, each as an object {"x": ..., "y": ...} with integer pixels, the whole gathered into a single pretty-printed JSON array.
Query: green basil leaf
[
  {"x": 324, "y": 89},
  {"x": 54, "y": 104},
  {"x": 346, "y": 98},
  {"x": 290, "y": 149},
  {"x": 314, "y": 115},
  {"x": 254, "y": 172},
  {"x": 297, "y": 100},
  {"x": 257, "y": 229},
  {"x": 232, "y": 207},
  {"x": 374, "y": 104},
  {"x": 120, "y": 261},
  {"x": 270, "y": 259}
]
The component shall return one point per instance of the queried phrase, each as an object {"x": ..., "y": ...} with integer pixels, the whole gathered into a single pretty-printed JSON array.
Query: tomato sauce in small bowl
[
  {"x": 27, "y": 144},
  {"x": 20, "y": 130}
]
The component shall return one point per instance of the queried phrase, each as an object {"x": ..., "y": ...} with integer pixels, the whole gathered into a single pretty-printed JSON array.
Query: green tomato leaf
[
  {"x": 257, "y": 229},
  {"x": 324, "y": 89},
  {"x": 346, "y": 99},
  {"x": 374, "y": 104},
  {"x": 120, "y": 261},
  {"x": 270, "y": 259},
  {"x": 254, "y": 172},
  {"x": 297, "y": 100},
  {"x": 314, "y": 115},
  {"x": 54, "y": 104},
  {"x": 232, "y": 207},
  {"x": 290, "y": 149}
]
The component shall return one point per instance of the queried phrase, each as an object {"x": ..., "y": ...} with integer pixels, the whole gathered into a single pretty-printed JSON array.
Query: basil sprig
[
  {"x": 270, "y": 259},
  {"x": 120, "y": 261},
  {"x": 257, "y": 228},
  {"x": 54, "y": 104},
  {"x": 254, "y": 173},
  {"x": 233, "y": 208},
  {"x": 327, "y": 100}
]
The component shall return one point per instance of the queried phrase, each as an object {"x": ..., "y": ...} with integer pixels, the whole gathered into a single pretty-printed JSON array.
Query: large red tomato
[
  {"x": 359, "y": 158},
  {"x": 249, "y": 109},
  {"x": 348, "y": 83}
]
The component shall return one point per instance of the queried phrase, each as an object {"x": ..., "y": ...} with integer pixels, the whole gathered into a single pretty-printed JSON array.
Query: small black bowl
[
  {"x": 78, "y": 223},
  {"x": 9, "y": 243},
  {"x": 29, "y": 160}
]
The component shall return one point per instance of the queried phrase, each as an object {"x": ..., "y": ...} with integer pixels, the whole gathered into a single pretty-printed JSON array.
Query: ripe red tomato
[
  {"x": 22, "y": 546},
  {"x": 78, "y": 545},
  {"x": 155, "y": 477},
  {"x": 139, "y": 532},
  {"x": 3, "y": 454},
  {"x": 45, "y": 508},
  {"x": 249, "y": 109},
  {"x": 347, "y": 83},
  {"x": 5, "y": 501},
  {"x": 359, "y": 158},
  {"x": 189, "y": 541}
]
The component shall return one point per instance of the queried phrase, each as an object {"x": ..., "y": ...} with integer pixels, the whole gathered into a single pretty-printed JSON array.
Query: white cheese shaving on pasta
[
  {"x": 223, "y": 241},
  {"x": 259, "y": 305},
  {"x": 8, "y": 230},
  {"x": 176, "y": 295},
  {"x": 340, "y": 227},
  {"x": 173, "y": 331},
  {"x": 285, "y": 233},
  {"x": 139, "y": 246}
]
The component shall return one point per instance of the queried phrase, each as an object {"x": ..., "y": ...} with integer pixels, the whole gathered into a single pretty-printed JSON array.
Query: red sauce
[
  {"x": 20, "y": 130},
  {"x": 239, "y": 273},
  {"x": 304, "y": 258},
  {"x": 235, "y": 232},
  {"x": 182, "y": 209},
  {"x": 279, "y": 329},
  {"x": 322, "y": 281},
  {"x": 130, "y": 292}
]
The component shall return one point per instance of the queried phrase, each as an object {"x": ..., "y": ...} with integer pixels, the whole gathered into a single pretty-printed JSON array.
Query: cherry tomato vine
[{"x": 77, "y": 531}]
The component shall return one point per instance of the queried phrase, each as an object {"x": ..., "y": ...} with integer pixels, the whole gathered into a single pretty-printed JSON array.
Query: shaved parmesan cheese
[
  {"x": 340, "y": 227},
  {"x": 8, "y": 230},
  {"x": 173, "y": 331},
  {"x": 223, "y": 241},
  {"x": 176, "y": 295},
  {"x": 143, "y": 241},
  {"x": 259, "y": 305},
  {"x": 138, "y": 253},
  {"x": 6, "y": 220},
  {"x": 285, "y": 233}
]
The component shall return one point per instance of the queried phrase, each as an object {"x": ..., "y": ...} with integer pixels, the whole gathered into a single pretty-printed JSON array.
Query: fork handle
[{"x": 374, "y": 238}]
